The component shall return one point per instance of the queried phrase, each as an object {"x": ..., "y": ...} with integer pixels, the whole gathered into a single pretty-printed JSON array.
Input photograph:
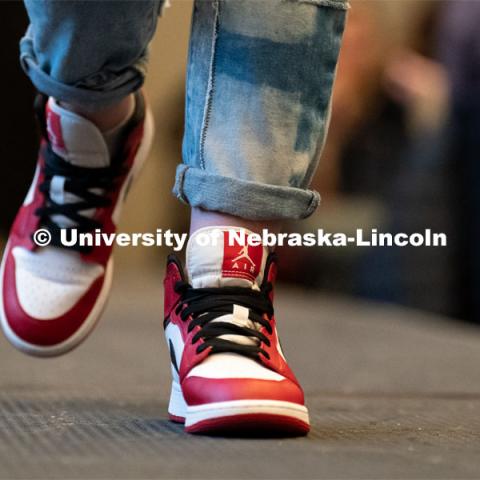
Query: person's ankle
[
  {"x": 203, "y": 218},
  {"x": 111, "y": 121},
  {"x": 105, "y": 118}
]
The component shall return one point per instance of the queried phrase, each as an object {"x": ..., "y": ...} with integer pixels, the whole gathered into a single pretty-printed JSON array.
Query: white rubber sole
[
  {"x": 89, "y": 324},
  {"x": 192, "y": 415}
]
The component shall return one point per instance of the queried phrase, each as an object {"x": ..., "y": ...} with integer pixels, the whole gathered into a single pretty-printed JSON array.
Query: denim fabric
[
  {"x": 88, "y": 52},
  {"x": 259, "y": 81}
]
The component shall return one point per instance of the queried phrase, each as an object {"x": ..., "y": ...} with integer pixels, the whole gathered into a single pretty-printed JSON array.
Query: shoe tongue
[
  {"x": 220, "y": 257},
  {"x": 74, "y": 138}
]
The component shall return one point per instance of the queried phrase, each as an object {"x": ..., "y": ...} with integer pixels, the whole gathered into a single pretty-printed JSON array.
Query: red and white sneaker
[
  {"x": 229, "y": 372},
  {"x": 52, "y": 296}
]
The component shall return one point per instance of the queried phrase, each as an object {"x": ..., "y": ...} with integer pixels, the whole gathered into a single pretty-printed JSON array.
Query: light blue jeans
[{"x": 259, "y": 82}]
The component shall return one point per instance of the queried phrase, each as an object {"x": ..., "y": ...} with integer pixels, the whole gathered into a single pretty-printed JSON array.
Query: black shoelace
[
  {"x": 203, "y": 305},
  {"x": 79, "y": 181}
]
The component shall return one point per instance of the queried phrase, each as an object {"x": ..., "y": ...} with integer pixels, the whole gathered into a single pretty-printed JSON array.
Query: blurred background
[{"x": 401, "y": 155}]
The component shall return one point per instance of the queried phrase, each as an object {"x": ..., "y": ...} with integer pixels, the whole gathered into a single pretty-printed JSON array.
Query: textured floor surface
[{"x": 392, "y": 394}]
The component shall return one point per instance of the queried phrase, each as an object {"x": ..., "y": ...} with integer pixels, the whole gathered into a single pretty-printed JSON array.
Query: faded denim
[{"x": 259, "y": 81}]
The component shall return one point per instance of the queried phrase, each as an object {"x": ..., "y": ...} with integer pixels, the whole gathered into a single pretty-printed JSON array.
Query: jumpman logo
[{"x": 243, "y": 255}]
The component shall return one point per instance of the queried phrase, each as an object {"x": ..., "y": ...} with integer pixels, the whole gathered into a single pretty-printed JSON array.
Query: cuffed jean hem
[
  {"x": 110, "y": 93},
  {"x": 241, "y": 198},
  {"x": 340, "y": 4}
]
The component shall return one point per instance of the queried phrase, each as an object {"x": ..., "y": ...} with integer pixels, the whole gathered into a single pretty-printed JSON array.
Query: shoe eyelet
[{"x": 200, "y": 349}]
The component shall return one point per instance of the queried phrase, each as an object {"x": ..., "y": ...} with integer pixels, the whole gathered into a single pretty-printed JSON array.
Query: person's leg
[
  {"x": 89, "y": 54},
  {"x": 88, "y": 60},
  {"x": 259, "y": 84},
  {"x": 200, "y": 218}
]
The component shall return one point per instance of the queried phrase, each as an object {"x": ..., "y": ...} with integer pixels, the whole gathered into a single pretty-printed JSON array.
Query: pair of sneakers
[{"x": 228, "y": 370}]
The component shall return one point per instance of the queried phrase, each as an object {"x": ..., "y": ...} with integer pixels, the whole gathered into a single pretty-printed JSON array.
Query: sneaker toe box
[
  {"x": 230, "y": 377},
  {"x": 47, "y": 297}
]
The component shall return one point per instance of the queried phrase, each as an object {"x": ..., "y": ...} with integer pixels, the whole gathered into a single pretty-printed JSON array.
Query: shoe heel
[{"x": 177, "y": 407}]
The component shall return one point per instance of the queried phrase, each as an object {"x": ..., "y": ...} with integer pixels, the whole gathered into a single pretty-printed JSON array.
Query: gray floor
[{"x": 392, "y": 394}]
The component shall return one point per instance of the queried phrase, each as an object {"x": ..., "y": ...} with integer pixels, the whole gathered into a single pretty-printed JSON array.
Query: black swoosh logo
[{"x": 173, "y": 358}]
